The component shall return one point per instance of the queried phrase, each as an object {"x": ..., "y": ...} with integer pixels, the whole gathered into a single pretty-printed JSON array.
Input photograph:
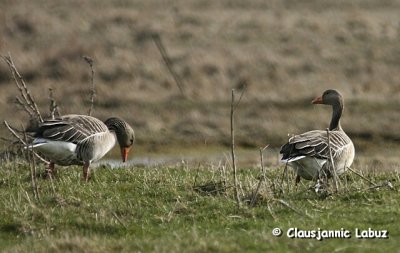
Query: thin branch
[
  {"x": 23, "y": 89},
  {"x": 20, "y": 87},
  {"x": 293, "y": 209},
  {"x": 332, "y": 164},
  {"x": 385, "y": 184},
  {"x": 32, "y": 167},
  {"x": 13, "y": 132},
  {"x": 233, "y": 149},
  {"x": 89, "y": 60},
  {"x": 262, "y": 177},
  {"x": 240, "y": 98},
  {"x": 285, "y": 174},
  {"x": 167, "y": 60},
  {"x": 271, "y": 212},
  {"x": 53, "y": 105},
  {"x": 358, "y": 174},
  {"x": 119, "y": 220},
  {"x": 24, "y": 106}
]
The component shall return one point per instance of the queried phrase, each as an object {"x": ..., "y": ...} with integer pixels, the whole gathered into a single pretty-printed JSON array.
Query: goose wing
[
  {"x": 314, "y": 144},
  {"x": 70, "y": 128}
]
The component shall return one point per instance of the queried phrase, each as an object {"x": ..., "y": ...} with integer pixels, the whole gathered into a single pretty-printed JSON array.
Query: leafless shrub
[{"x": 26, "y": 100}]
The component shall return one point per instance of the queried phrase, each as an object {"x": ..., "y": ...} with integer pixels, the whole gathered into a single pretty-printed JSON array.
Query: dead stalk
[
  {"x": 235, "y": 182},
  {"x": 25, "y": 107},
  {"x": 32, "y": 167},
  {"x": 332, "y": 165},
  {"x": 167, "y": 60},
  {"x": 119, "y": 220},
  {"x": 53, "y": 105},
  {"x": 12, "y": 131},
  {"x": 233, "y": 108},
  {"x": 293, "y": 209},
  {"x": 89, "y": 60},
  {"x": 262, "y": 177},
  {"x": 366, "y": 179},
  {"x": 285, "y": 175},
  {"x": 28, "y": 101}
]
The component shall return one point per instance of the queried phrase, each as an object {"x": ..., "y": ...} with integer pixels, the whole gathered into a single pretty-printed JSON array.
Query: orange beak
[
  {"x": 317, "y": 100},
  {"x": 124, "y": 153}
]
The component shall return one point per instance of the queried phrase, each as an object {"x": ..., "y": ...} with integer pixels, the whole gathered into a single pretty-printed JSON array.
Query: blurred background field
[{"x": 287, "y": 52}]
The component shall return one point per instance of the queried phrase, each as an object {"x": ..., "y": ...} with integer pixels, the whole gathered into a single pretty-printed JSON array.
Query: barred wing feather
[
  {"x": 314, "y": 144},
  {"x": 71, "y": 128}
]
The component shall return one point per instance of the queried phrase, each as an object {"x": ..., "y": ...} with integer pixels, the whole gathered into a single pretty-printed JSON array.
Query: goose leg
[
  {"x": 50, "y": 170},
  {"x": 297, "y": 180},
  {"x": 86, "y": 172}
]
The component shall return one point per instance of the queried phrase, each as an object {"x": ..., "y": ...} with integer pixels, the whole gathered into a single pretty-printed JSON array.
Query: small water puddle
[{"x": 244, "y": 157}]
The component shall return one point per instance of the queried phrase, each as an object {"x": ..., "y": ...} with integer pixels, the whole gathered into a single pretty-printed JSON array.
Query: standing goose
[
  {"x": 81, "y": 140},
  {"x": 308, "y": 153}
]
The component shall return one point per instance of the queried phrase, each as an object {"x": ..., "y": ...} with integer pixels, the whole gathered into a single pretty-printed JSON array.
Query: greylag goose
[
  {"x": 80, "y": 140},
  {"x": 308, "y": 153}
]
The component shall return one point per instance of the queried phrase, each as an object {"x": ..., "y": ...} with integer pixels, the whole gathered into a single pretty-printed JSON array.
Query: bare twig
[
  {"x": 332, "y": 164},
  {"x": 293, "y": 209},
  {"x": 23, "y": 89},
  {"x": 240, "y": 98},
  {"x": 89, "y": 60},
  {"x": 25, "y": 107},
  {"x": 235, "y": 181},
  {"x": 358, "y": 174},
  {"x": 384, "y": 184},
  {"x": 53, "y": 105},
  {"x": 157, "y": 40},
  {"x": 119, "y": 220},
  {"x": 32, "y": 167},
  {"x": 285, "y": 175},
  {"x": 13, "y": 132},
  {"x": 271, "y": 212},
  {"x": 262, "y": 177},
  {"x": 52, "y": 184}
]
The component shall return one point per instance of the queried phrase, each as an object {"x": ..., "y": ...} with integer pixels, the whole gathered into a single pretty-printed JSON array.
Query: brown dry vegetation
[{"x": 286, "y": 51}]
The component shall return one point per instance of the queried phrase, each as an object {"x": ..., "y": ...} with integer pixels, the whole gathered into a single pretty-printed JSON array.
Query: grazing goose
[
  {"x": 308, "y": 153},
  {"x": 80, "y": 140}
]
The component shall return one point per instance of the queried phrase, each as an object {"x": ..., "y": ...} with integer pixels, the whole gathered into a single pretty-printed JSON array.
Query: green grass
[{"x": 154, "y": 209}]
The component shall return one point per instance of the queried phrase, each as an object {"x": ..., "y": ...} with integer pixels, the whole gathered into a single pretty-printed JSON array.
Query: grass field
[{"x": 187, "y": 208}]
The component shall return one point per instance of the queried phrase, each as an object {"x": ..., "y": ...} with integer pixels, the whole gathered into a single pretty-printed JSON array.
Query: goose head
[
  {"x": 124, "y": 133},
  {"x": 335, "y": 99},
  {"x": 329, "y": 97}
]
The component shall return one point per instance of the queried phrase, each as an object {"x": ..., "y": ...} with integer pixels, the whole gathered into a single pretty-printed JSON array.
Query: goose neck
[{"x": 337, "y": 110}]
